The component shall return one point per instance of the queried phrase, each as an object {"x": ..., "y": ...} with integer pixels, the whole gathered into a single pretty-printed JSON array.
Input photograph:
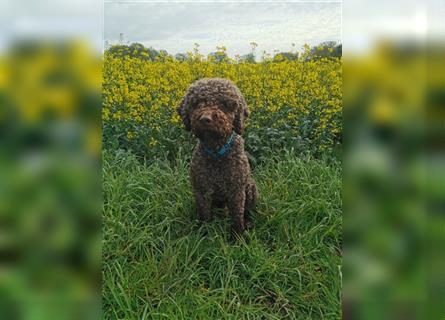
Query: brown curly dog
[{"x": 214, "y": 110}]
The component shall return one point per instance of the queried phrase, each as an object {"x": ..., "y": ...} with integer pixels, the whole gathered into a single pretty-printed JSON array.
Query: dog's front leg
[
  {"x": 203, "y": 206},
  {"x": 236, "y": 211}
]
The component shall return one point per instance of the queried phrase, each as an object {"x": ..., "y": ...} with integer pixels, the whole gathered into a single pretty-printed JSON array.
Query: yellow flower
[
  {"x": 152, "y": 142},
  {"x": 145, "y": 93}
]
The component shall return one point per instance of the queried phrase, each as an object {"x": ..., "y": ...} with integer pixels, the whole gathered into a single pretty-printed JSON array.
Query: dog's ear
[
  {"x": 183, "y": 111},
  {"x": 242, "y": 113}
]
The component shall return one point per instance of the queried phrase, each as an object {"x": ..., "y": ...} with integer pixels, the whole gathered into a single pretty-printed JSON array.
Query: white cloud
[
  {"x": 367, "y": 22},
  {"x": 51, "y": 19},
  {"x": 177, "y": 26}
]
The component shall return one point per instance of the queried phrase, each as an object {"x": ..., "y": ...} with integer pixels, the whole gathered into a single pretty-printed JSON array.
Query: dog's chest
[{"x": 218, "y": 176}]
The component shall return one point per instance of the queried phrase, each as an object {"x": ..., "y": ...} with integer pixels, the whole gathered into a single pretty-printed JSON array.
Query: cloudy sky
[{"x": 175, "y": 27}]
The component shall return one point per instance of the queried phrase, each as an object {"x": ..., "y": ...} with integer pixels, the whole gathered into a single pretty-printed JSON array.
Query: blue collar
[{"x": 223, "y": 150}]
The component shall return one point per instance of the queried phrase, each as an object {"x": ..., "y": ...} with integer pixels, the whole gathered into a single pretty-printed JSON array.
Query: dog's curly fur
[{"x": 212, "y": 109}]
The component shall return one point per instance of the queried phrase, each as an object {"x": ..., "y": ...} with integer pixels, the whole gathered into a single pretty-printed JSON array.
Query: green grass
[{"x": 159, "y": 264}]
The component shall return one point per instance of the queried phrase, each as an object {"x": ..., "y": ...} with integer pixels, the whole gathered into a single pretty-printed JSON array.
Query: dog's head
[{"x": 213, "y": 106}]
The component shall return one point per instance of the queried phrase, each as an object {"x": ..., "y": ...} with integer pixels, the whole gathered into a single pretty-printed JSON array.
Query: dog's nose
[{"x": 205, "y": 118}]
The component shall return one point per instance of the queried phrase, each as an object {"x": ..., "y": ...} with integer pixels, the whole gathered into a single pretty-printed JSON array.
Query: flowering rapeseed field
[{"x": 294, "y": 104}]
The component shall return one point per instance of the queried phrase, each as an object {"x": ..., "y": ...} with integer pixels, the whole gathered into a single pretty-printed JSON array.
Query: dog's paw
[
  {"x": 249, "y": 225},
  {"x": 238, "y": 237},
  {"x": 203, "y": 217}
]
